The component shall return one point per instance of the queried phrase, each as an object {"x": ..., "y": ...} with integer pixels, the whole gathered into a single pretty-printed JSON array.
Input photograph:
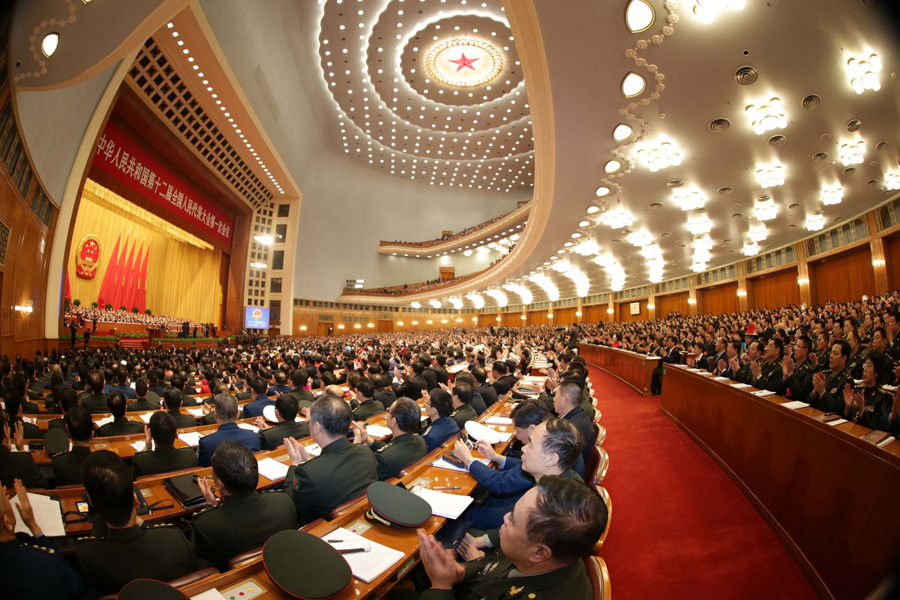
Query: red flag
[
  {"x": 131, "y": 293},
  {"x": 109, "y": 277},
  {"x": 68, "y": 295},
  {"x": 142, "y": 280},
  {"x": 125, "y": 271}
]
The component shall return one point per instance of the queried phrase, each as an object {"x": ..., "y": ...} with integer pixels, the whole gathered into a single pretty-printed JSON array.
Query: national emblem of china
[{"x": 88, "y": 257}]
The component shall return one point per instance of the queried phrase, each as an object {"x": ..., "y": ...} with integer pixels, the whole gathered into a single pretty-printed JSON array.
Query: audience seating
[
  {"x": 183, "y": 581},
  {"x": 249, "y": 555},
  {"x": 601, "y": 433},
  {"x": 601, "y": 491},
  {"x": 598, "y": 573},
  {"x": 599, "y": 473}
]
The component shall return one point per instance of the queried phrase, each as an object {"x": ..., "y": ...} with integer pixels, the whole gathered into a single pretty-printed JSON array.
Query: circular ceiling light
[
  {"x": 593, "y": 210},
  {"x": 584, "y": 223},
  {"x": 639, "y": 16},
  {"x": 49, "y": 44},
  {"x": 622, "y": 132},
  {"x": 601, "y": 191},
  {"x": 612, "y": 166},
  {"x": 633, "y": 85},
  {"x": 464, "y": 62}
]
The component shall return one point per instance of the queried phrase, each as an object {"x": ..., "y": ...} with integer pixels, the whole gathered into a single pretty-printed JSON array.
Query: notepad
[
  {"x": 138, "y": 446},
  {"x": 47, "y": 514},
  {"x": 249, "y": 427},
  {"x": 885, "y": 442},
  {"x": 795, "y": 405},
  {"x": 741, "y": 386},
  {"x": 378, "y": 431},
  {"x": 145, "y": 417},
  {"x": 717, "y": 378},
  {"x": 763, "y": 393},
  {"x": 499, "y": 421},
  {"x": 192, "y": 438},
  {"x": 450, "y": 506},
  {"x": 314, "y": 450},
  {"x": 443, "y": 464},
  {"x": 104, "y": 421},
  {"x": 212, "y": 594},
  {"x": 835, "y": 422},
  {"x": 366, "y": 566},
  {"x": 272, "y": 469},
  {"x": 196, "y": 412}
]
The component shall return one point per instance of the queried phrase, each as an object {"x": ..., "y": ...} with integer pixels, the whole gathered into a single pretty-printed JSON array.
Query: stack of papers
[
  {"x": 138, "y": 446},
  {"x": 192, "y": 438},
  {"x": 741, "y": 386},
  {"x": 272, "y": 469},
  {"x": 763, "y": 393},
  {"x": 196, "y": 412},
  {"x": 366, "y": 566},
  {"x": 835, "y": 422},
  {"x": 104, "y": 421},
  {"x": 499, "y": 421},
  {"x": 450, "y": 506},
  {"x": 717, "y": 378},
  {"x": 795, "y": 405},
  {"x": 448, "y": 465},
  {"x": 47, "y": 513},
  {"x": 314, "y": 450},
  {"x": 145, "y": 417},
  {"x": 378, "y": 431}
]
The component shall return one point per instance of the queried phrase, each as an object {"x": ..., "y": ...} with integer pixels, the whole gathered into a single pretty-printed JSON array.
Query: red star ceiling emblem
[{"x": 462, "y": 61}]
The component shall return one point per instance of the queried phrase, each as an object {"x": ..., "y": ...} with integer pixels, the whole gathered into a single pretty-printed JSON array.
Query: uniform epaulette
[
  {"x": 37, "y": 547},
  {"x": 388, "y": 445},
  {"x": 59, "y": 454},
  {"x": 88, "y": 538},
  {"x": 205, "y": 510},
  {"x": 158, "y": 525}
]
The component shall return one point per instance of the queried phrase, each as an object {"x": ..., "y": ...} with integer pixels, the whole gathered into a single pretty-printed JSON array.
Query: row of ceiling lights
[{"x": 483, "y": 248}]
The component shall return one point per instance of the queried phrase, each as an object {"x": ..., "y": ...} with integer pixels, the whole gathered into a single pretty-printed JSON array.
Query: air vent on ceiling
[
  {"x": 665, "y": 234},
  {"x": 675, "y": 183},
  {"x": 849, "y": 170},
  {"x": 719, "y": 125},
  {"x": 871, "y": 182},
  {"x": 838, "y": 219},
  {"x": 825, "y": 137},
  {"x": 794, "y": 205},
  {"x": 777, "y": 140},
  {"x": 792, "y": 225},
  {"x": 656, "y": 205},
  {"x": 764, "y": 197},
  {"x": 820, "y": 156},
  {"x": 746, "y": 75},
  {"x": 725, "y": 190},
  {"x": 812, "y": 101},
  {"x": 881, "y": 145},
  {"x": 737, "y": 215},
  {"x": 853, "y": 125}
]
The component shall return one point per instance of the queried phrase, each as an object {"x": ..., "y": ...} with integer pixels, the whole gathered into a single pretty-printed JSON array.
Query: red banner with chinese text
[{"x": 118, "y": 156}]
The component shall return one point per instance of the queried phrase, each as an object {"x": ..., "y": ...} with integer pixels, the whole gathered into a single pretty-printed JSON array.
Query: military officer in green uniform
[
  {"x": 543, "y": 564},
  {"x": 462, "y": 408},
  {"x": 743, "y": 373},
  {"x": 286, "y": 409},
  {"x": 768, "y": 373},
  {"x": 828, "y": 387},
  {"x": 797, "y": 372},
  {"x": 126, "y": 550},
  {"x": 857, "y": 356},
  {"x": 868, "y": 403},
  {"x": 822, "y": 353},
  {"x": 405, "y": 447}
]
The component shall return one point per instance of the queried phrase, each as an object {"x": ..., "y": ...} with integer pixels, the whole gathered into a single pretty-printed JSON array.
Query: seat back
[
  {"x": 597, "y": 474},
  {"x": 180, "y": 582},
  {"x": 598, "y": 574},
  {"x": 601, "y": 433},
  {"x": 337, "y": 510},
  {"x": 604, "y": 495},
  {"x": 591, "y": 461}
]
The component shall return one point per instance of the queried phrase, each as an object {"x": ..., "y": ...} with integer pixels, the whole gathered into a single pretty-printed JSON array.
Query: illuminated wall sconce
[
  {"x": 303, "y": 328},
  {"x": 370, "y": 325},
  {"x": 863, "y": 73},
  {"x": 26, "y": 308},
  {"x": 357, "y": 326},
  {"x": 341, "y": 326},
  {"x": 803, "y": 281},
  {"x": 549, "y": 315},
  {"x": 692, "y": 301},
  {"x": 523, "y": 317},
  {"x": 498, "y": 318},
  {"x": 415, "y": 322},
  {"x": 429, "y": 322},
  {"x": 578, "y": 314},
  {"x": 444, "y": 321},
  {"x": 400, "y": 323},
  {"x": 610, "y": 311},
  {"x": 742, "y": 293},
  {"x": 878, "y": 262},
  {"x": 474, "y": 319},
  {"x": 257, "y": 265},
  {"x": 651, "y": 306}
]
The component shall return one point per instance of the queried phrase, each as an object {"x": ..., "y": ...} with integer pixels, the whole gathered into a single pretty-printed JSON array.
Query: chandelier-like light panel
[
  {"x": 447, "y": 62},
  {"x": 617, "y": 218},
  {"x": 708, "y": 10},
  {"x": 521, "y": 291},
  {"x": 770, "y": 175},
  {"x": 561, "y": 266},
  {"x": 587, "y": 248},
  {"x": 699, "y": 224},
  {"x": 477, "y": 301},
  {"x": 658, "y": 155},
  {"x": 705, "y": 242},
  {"x": 616, "y": 276},
  {"x": 456, "y": 303},
  {"x": 815, "y": 222},
  {"x": 765, "y": 209},
  {"x": 853, "y": 153},
  {"x": 863, "y": 73},
  {"x": 651, "y": 251},
  {"x": 698, "y": 267},
  {"x": 640, "y": 238},
  {"x": 767, "y": 115},
  {"x": 751, "y": 249},
  {"x": 655, "y": 269},
  {"x": 499, "y": 297},
  {"x": 435, "y": 303},
  {"x": 758, "y": 232},
  {"x": 546, "y": 284},
  {"x": 416, "y": 305},
  {"x": 689, "y": 199},
  {"x": 605, "y": 260},
  {"x": 832, "y": 194},
  {"x": 581, "y": 281},
  {"x": 892, "y": 181}
]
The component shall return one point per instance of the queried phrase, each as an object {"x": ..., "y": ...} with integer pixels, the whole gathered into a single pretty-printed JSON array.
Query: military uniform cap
[
  {"x": 56, "y": 441},
  {"x": 149, "y": 589},
  {"x": 322, "y": 573},
  {"x": 395, "y": 506}
]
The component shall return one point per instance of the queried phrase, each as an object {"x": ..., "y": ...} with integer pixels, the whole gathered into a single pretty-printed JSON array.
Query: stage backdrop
[{"x": 181, "y": 276}]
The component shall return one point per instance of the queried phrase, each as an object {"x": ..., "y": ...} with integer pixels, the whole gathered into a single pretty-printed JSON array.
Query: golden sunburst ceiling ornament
[{"x": 464, "y": 62}]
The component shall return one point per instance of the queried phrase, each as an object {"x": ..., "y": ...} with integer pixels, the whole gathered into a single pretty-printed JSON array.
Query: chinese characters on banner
[{"x": 118, "y": 156}]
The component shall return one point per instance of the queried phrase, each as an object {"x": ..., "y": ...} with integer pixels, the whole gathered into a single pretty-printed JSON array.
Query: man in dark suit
[
  {"x": 438, "y": 365},
  {"x": 299, "y": 379},
  {"x": 160, "y": 454},
  {"x": 503, "y": 380},
  {"x": 670, "y": 355},
  {"x": 414, "y": 384},
  {"x": 487, "y": 391},
  {"x": 67, "y": 465},
  {"x": 477, "y": 402},
  {"x": 255, "y": 408},
  {"x": 95, "y": 401},
  {"x": 312, "y": 483},
  {"x": 121, "y": 383},
  {"x": 226, "y": 414},
  {"x": 280, "y": 386},
  {"x": 567, "y": 404},
  {"x": 244, "y": 519},
  {"x": 384, "y": 393},
  {"x": 405, "y": 446},
  {"x": 368, "y": 407},
  {"x": 178, "y": 382},
  {"x": 286, "y": 409},
  {"x": 428, "y": 373},
  {"x": 172, "y": 400},
  {"x": 439, "y": 405},
  {"x": 117, "y": 403},
  {"x": 143, "y": 401},
  {"x": 156, "y": 386},
  {"x": 20, "y": 464}
]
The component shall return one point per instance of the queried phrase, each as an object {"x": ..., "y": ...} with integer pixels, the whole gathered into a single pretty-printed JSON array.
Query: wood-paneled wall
[
  {"x": 672, "y": 303},
  {"x": 719, "y": 300},
  {"x": 565, "y": 316},
  {"x": 774, "y": 290},
  {"x": 892, "y": 257},
  {"x": 595, "y": 313},
  {"x": 538, "y": 317},
  {"x": 842, "y": 277},
  {"x": 623, "y": 311}
]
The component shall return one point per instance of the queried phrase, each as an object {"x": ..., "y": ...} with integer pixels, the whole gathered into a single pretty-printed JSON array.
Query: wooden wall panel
[
  {"x": 487, "y": 320},
  {"x": 565, "y": 316},
  {"x": 892, "y": 257},
  {"x": 719, "y": 300},
  {"x": 623, "y": 311},
  {"x": 774, "y": 290},
  {"x": 595, "y": 313},
  {"x": 672, "y": 303},
  {"x": 539, "y": 317},
  {"x": 513, "y": 319},
  {"x": 843, "y": 277}
]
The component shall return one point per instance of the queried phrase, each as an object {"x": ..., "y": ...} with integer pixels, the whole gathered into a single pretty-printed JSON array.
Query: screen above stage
[{"x": 256, "y": 317}]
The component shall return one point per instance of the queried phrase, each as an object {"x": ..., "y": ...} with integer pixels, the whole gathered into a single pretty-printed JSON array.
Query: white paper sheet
[
  {"x": 272, "y": 469},
  {"x": 192, "y": 438},
  {"x": 47, "y": 513},
  {"x": 763, "y": 393},
  {"x": 835, "y": 422},
  {"x": 499, "y": 421},
  {"x": 145, "y": 417},
  {"x": 378, "y": 431},
  {"x": 717, "y": 378},
  {"x": 366, "y": 566},
  {"x": 104, "y": 421},
  {"x": 741, "y": 386},
  {"x": 249, "y": 427},
  {"x": 450, "y": 506},
  {"x": 138, "y": 446},
  {"x": 886, "y": 442},
  {"x": 196, "y": 412},
  {"x": 795, "y": 405},
  {"x": 212, "y": 594},
  {"x": 447, "y": 465}
]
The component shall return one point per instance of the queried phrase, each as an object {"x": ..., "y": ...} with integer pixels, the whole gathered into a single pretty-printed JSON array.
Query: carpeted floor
[{"x": 680, "y": 527}]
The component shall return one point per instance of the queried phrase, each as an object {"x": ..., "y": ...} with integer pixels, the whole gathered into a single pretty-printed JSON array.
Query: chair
[
  {"x": 337, "y": 510},
  {"x": 600, "y": 430},
  {"x": 249, "y": 555},
  {"x": 604, "y": 495},
  {"x": 598, "y": 573},
  {"x": 597, "y": 476},
  {"x": 180, "y": 582}
]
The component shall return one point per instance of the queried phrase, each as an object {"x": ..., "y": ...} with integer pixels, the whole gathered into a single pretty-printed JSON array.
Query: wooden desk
[
  {"x": 634, "y": 370},
  {"x": 830, "y": 497}
]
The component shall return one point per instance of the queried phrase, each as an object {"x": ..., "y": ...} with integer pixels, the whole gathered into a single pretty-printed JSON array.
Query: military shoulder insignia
[
  {"x": 36, "y": 547},
  {"x": 514, "y": 591},
  {"x": 158, "y": 525},
  {"x": 489, "y": 568},
  {"x": 87, "y": 538}
]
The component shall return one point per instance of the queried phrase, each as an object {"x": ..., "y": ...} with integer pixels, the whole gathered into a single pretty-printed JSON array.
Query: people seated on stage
[
  {"x": 67, "y": 465},
  {"x": 312, "y": 482},
  {"x": 462, "y": 408},
  {"x": 34, "y": 569},
  {"x": 226, "y": 412},
  {"x": 255, "y": 409},
  {"x": 384, "y": 393},
  {"x": 828, "y": 386},
  {"x": 117, "y": 404},
  {"x": 553, "y": 448},
  {"x": 567, "y": 404},
  {"x": 406, "y": 445},
  {"x": 125, "y": 550},
  {"x": 286, "y": 409},
  {"x": 15, "y": 461},
  {"x": 243, "y": 519},
  {"x": 95, "y": 399},
  {"x": 142, "y": 398},
  {"x": 299, "y": 380},
  {"x": 172, "y": 399},
  {"x": 368, "y": 406},
  {"x": 160, "y": 454},
  {"x": 542, "y": 542},
  {"x": 439, "y": 405}
]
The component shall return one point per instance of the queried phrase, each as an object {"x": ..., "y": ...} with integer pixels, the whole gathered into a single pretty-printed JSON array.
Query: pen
[
  {"x": 351, "y": 550},
  {"x": 446, "y": 488}
]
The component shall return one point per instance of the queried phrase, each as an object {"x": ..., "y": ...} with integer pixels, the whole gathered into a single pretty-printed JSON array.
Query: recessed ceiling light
[
  {"x": 639, "y": 16},
  {"x": 584, "y": 223},
  {"x": 593, "y": 210},
  {"x": 633, "y": 85},
  {"x": 49, "y": 44},
  {"x": 622, "y": 132},
  {"x": 612, "y": 166},
  {"x": 601, "y": 191}
]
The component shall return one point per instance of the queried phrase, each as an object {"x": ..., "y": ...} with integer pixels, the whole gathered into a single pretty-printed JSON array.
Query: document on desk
[
  {"x": 795, "y": 405},
  {"x": 378, "y": 431},
  {"x": 448, "y": 465},
  {"x": 272, "y": 469},
  {"x": 366, "y": 566},
  {"x": 499, "y": 421},
  {"x": 249, "y": 427},
  {"x": 197, "y": 413},
  {"x": 741, "y": 386},
  {"x": 763, "y": 393},
  {"x": 450, "y": 506},
  {"x": 138, "y": 446},
  {"x": 314, "y": 449},
  {"x": 835, "y": 422},
  {"x": 212, "y": 594},
  {"x": 191, "y": 438},
  {"x": 47, "y": 513},
  {"x": 717, "y": 378},
  {"x": 145, "y": 417},
  {"x": 104, "y": 421}
]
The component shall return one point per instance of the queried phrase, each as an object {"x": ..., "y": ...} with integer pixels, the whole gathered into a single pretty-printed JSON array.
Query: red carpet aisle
[{"x": 680, "y": 527}]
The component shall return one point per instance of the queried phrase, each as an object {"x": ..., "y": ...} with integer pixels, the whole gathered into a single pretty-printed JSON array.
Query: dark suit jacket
[
  {"x": 442, "y": 375},
  {"x": 412, "y": 388},
  {"x": 367, "y": 409},
  {"x": 255, "y": 408},
  {"x": 19, "y": 465},
  {"x": 431, "y": 378},
  {"x": 439, "y": 432},
  {"x": 96, "y": 403},
  {"x": 67, "y": 466},
  {"x": 582, "y": 422},
  {"x": 163, "y": 460},
  {"x": 504, "y": 384},
  {"x": 386, "y": 396},
  {"x": 142, "y": 404},
  {"x": 462, "y": 414},
  {"x": 488, "y": 393},
  {"x": 304, "y": 397},
  {"x": 393, "y": 456},
  {"x": 478, "y": 403},
  {"x": 183, "y": 420},
  {"x": 121, "y": 426},
  {"x": 226, "y": 431},
  {"x": 273, "y": 437}
]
